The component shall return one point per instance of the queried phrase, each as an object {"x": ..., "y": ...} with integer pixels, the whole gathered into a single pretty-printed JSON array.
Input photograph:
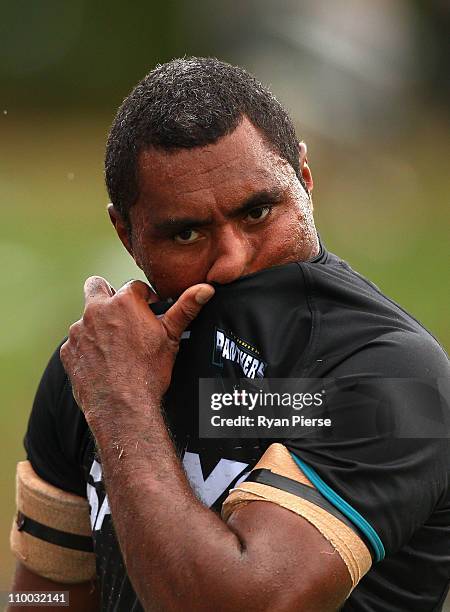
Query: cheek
[
  {"x": 170, "y": 274},
  {"x": 291, "y": 237},
  {"x": 170, "y": 271},
  {"x": 289, "y": 229},
  {"x": 301, "y": 221}
]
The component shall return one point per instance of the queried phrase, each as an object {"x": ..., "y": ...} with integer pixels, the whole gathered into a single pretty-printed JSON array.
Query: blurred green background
[{"x": 365, "y": 81}]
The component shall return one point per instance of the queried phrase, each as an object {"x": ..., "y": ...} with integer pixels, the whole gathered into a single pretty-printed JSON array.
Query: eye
[
  {"x": 256, "y": 215},
  {"x": 187, "y": 236}
]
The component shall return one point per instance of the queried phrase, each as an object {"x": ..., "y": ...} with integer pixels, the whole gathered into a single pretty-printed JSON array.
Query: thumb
[{"x": 185, "y": 309}]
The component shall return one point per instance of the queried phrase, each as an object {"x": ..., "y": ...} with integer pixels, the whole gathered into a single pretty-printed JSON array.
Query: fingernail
[{"x": 204, "y": 294}]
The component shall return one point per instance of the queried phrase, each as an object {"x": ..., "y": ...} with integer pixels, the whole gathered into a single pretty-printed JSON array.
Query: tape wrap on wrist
[{"x": 51, "y": 533}]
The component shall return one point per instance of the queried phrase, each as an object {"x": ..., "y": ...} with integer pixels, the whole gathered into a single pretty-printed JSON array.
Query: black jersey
[{"x": 316, "y": 320}]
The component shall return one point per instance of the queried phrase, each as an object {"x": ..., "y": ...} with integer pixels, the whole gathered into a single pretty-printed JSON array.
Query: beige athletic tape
[
  {"x": 60, "y": 510},
  {"x": 350, "y": 547},
  {"x": 278, "y": 459},
  {"x": 49, "y": 505}
]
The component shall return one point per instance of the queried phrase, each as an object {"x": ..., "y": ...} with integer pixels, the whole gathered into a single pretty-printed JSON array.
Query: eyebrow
[{"x": 174, "y": 225}]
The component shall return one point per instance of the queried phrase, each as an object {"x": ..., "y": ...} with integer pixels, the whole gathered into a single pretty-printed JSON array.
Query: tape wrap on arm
[
  {"x": 51, "y": 534},
  {"x": 276, "y": 478}
]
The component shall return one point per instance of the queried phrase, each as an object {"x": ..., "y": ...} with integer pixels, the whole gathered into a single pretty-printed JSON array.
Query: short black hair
[{"x": 186, "y": 103}]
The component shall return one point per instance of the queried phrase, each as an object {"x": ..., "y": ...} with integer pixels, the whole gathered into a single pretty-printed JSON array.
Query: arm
[
  {"x": 51, "y": 535},
  {"x": 178, "y": 553},
  {"x": 82, "y": 596},
  {"x": 181, "y": 555}
]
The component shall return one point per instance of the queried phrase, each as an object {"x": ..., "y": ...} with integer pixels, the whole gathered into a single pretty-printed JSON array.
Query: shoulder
[
  {"x": 354, "y": 322},
  {"x": 54, "y": 393},
  {"x": 56, "y": 430}
]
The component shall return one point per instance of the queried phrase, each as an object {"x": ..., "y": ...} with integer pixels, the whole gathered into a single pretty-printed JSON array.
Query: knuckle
[
  {"x": 64, "y": 354},
  {"x": 74, "y": 332},
  {"x": 74, "y": 328},
  {"x": 188, "y": 310},
  {"x": 138, "y": 284},
  {"x": 130, "y": 285},
  {"x": 170, "y": 331},
  {"x": 90, "y": 313},
  {"x": 124, "y": 296},
  {"x": 95, "y": 285},
  {"x": 89, "y": 284},
  {"x": 135, "y": 289},
  {"x": 93, "y": 280}
]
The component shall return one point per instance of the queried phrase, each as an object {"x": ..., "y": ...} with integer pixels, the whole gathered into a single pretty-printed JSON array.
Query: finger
[
  {"x": 63, "y": 352},
  {"x": 97, "y": 288},
  {"x": 185, "y": 309},
  {"x": 302, "y": 150},
  {"x": 140, "y": 290}
]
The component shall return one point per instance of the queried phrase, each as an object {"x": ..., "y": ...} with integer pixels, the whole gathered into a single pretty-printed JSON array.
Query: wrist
[{"x": 123, "y": 415}]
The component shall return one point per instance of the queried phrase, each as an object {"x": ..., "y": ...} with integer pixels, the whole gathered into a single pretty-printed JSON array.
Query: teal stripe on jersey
[{"x": 337, "y": 501}]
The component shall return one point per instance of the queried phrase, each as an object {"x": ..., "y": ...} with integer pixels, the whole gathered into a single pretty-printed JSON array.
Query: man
[{"x": 210, "y": 195}]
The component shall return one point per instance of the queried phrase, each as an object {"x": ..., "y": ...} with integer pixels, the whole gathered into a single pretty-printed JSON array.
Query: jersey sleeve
[
  {"x": 384, "y": 464},
  {"x": 55, "y": 432}
]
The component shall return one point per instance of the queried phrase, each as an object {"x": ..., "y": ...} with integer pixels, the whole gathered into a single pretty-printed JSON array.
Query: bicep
[
  {"x": 82, "y": 596},
  {"x": 296, "y": 566}
]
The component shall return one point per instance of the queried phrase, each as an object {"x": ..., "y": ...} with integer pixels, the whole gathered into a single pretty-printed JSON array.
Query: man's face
[{"x": 218, "y": 212}]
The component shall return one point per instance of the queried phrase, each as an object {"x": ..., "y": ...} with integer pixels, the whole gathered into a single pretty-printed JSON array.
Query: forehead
[{"x": 212, "y": 177}]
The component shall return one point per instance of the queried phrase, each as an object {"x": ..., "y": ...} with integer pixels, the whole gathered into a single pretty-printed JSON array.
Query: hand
[{"x": 120, "y": 353}]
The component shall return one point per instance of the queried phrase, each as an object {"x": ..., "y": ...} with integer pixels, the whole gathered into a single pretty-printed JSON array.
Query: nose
[{"x": 232, "y": 257}]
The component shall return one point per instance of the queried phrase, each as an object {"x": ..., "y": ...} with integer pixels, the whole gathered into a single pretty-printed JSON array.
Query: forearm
[
  {"x": 177, "y": 552},
  {"x": 179, "y": 555}
]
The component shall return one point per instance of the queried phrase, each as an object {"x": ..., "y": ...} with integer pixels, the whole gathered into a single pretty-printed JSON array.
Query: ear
[
  {"x": 304, "y": 168},
  {"x": 121, "y": 228}
]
